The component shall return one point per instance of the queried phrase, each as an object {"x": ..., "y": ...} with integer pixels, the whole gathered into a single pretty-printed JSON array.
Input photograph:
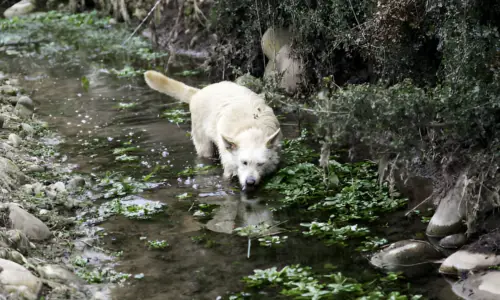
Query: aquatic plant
[
  {"x": 157, "y": 244},
  {"x": 300, "y": 282}
]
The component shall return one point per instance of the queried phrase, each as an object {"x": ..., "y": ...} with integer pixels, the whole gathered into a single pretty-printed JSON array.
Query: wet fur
[{"x": 235, "y": 119}]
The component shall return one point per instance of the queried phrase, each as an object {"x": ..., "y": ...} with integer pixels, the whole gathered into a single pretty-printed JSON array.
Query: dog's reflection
[{"x": 232, "y": 213}]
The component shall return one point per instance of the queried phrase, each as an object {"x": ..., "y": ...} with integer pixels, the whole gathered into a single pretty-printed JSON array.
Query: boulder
[
  {"x": 450, "y": 214},
  {"x": 25, "y": 222},
  {"x": 21, "y": 8},
  {"x": 18, "y": 281},
  {"x": 15, "y": 140},
  {"x": 58, "y": 274},
  {"x": 10, "y": 175},
  {"x": 412, "y": 257},
  {"x": 482, "y": 286},
  {"x": 76, "y": 183},
  {"x": 480, "y": 255},
  {"x": 453, "y": 241}
]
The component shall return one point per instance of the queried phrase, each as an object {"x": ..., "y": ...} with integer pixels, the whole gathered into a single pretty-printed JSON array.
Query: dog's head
[{"x": 255, "y": 155}]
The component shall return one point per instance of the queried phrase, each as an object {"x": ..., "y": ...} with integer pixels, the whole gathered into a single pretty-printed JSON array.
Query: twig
[
  {"x": 144, "y": 20},
  {"x": 418, "y": 205}
]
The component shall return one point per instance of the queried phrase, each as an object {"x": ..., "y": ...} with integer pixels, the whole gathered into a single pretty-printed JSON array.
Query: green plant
[
  {"x": 157, "y": 244},
  {"x": 300, "y": 282}
]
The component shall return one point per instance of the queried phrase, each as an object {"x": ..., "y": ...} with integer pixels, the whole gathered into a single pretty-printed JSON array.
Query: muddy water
[{"x": 92, "y": 126}]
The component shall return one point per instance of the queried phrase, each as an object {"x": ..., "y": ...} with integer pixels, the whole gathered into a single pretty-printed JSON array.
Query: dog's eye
[
  {"x": 245, "y": 162},
  {"x": 260, "y": 164}
]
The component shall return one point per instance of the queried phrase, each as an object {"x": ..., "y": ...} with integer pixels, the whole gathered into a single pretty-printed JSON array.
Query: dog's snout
[{"x": 250, "y": 181}]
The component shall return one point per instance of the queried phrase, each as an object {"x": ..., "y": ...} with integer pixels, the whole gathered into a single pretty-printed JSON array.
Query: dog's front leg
[{"x": 230, "y": 169}]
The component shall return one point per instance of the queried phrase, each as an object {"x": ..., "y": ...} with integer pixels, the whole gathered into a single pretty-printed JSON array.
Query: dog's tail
[{"x": 176, "y": 89}]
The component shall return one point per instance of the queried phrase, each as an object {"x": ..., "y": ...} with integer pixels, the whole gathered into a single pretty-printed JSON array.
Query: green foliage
[
  {"x": 118, "y": 186},
  {"x": 141, "y": 210},
  {"x": 157, "y": 244},
  {"x": 60, "y": 35},
  {"x": 298, "y": 282},
  {"x": 176, "y": 115},
  {"x": 348, "y": 192},
  {"x": 332, "y": 235},
  {"x": 198, "y": 169}
]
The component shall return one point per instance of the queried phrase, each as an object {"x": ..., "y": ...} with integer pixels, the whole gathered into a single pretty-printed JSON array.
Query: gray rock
[
  {"x": 76, "y": 183},
  {"x": 18, "y": 281},
  {"x": 412, "y": 257},
  {"x": 34, "y": 169},
  {"x": 21, "y": 8},
  {"x": 13, "y": 255},
  {"x": 24, "y": 107},
  {"x": 453, "y": 241},
  {"x": 58, "y": 187},
  {"x": 2, "y": 121},
  {"x": 479, "y": 255},
  {"x": 449, "y": 216},
  {"x": 30, "y": 225},
  {"x": 51, "y": 194},
  {"x": 15, "y": 140},
  {"x": 465, "y": 261},
  {"x": 13, "y": 81},
  {"x": 26, "y": 101},
  {"x": 19, "y": 241},
  {"x": 27, "y": 129},
  {"x": 10, "y": 175},
  {"x": 58, "y": 274},
  {"x": 482, "y": 286}
]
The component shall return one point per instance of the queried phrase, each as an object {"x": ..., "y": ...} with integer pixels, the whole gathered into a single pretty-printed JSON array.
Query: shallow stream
[{"x": 203, "y": 259}]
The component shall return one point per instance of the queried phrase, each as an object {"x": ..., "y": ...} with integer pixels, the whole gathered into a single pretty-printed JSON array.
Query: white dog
[{"x": 235, "y": 119}]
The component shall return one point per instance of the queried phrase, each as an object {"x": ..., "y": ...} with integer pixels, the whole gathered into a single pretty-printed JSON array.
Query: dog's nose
[{"x": 250, "y": 181}]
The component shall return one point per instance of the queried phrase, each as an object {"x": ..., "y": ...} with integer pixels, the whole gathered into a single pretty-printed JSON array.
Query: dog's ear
[
  {"x": 228, "y": 143},
  {"x": 273, "y": 140}
]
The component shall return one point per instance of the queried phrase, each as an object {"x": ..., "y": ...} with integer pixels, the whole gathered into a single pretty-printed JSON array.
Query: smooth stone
[
  {"x": 18, "y": 281},
  {"x": 481, "y": 254},
  {"x": 449, "y": 216},
  {"x": 19, "y": 241},
  {"x": 13, "y": 81},
  {"x": 51, "y": 194},
  {"x": 21, "y": 8},
  {"x": 30, "y": 225},
  {"x": 465, "y": 261},
  {"x": 59, "y": 187},
  {"x": 482, "y": 286},
  {"x": 15, "y": 140},
  {"x": 76, "y": 183},
  {"x": 453, "y": 241},
  {"x": 10, "y": 175},
  {"x": 27, "y": 129},
  {"x": 26, "y": 102},
  {"x": 412, "y": 257},
  {"x": 58, "y": 274},
  {"x": 35, "y": 169}
]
